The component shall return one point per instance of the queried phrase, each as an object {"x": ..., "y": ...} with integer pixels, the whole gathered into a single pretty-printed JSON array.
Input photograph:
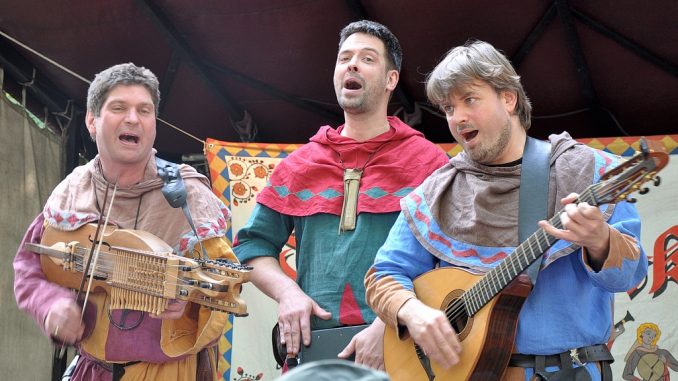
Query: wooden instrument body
[
  {"x": 68, "y": 274},
  {"x": 483, "y": 356},
  {"x": 139, "y": 270}
]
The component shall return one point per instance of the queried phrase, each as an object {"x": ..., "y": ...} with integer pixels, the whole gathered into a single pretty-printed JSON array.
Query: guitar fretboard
[{"x": 521, "y": 258}]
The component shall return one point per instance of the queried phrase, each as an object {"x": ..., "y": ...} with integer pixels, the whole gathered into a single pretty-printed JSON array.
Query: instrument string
[
  {"x": 487, "y": 287},
  {"x": 107, "y": 263},
  {"x": 62, "y": 351},
  {"x": 99, "y": 241},
  {"x": 607, "y": 191},
  {"x": 154, "y": 266}
]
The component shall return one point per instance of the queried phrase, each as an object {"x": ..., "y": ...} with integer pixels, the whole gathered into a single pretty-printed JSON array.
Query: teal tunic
[{"x": 338, "y": 261}]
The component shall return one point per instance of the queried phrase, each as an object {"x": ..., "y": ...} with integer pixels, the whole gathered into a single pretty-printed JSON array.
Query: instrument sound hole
[
  {"x": 457, "y": 315},
  {"x": 455, "y": 309}
]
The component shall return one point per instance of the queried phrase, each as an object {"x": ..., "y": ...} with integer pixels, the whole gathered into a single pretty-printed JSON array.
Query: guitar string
[
  {"x": 471, "y": 298},
  {"x": 604, "y": 189},
  {"x": 484, "y": 287}
]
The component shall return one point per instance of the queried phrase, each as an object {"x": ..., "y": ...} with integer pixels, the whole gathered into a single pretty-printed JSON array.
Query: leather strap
[
  {"x": 175, "y": 193},
  {"x": 205, "y": 364},
  {"x": 534, "y": 190}
]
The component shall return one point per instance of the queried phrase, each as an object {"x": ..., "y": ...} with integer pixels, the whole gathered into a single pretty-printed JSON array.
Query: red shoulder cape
[{"x": 310, "y": 180}]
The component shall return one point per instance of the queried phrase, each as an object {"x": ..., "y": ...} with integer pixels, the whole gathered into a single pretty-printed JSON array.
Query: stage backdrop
[{"x": 643, "y": 342}]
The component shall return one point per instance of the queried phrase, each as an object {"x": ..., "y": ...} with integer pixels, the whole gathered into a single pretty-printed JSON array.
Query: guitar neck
[{"x": 522, "y": 257}]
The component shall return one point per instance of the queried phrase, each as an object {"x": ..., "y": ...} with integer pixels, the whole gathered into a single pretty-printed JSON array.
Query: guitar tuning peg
[
  {"x": 631, "y": 200},
  {"x": 644, "y": 190},
  {"x": 657, "y": 181}
]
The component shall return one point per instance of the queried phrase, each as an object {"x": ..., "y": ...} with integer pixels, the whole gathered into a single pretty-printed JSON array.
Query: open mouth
[
  {"x": 352, "y": 84},
  {"x": 469, "y": 134},
  {"x": 128, "y": 138}
]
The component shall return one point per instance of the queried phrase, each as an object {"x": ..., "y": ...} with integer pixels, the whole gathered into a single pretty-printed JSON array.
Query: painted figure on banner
[
  {"x": 462, "y": 223},
  {"x": 645, "y": 358},
  {"x": 340, "y": 195},
  {"x": 619, "y": 328},
  {"x": 662, "y": 268},
  {"x": 149, "y": 253}
]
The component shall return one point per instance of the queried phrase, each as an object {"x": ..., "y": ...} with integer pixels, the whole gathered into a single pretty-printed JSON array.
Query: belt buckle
[{"x": 574, "y": 354}]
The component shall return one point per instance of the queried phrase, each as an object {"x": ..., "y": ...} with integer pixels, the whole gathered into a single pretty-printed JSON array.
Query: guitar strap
[
  {"x": 533, "y": 194},
  {"x": 174, "y": 191}
]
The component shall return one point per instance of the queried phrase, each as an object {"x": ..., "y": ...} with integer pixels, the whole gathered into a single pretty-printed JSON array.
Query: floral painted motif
[
  {"x": 242, "y": 376},
  {"x": 239, "y": 189},
  {"x": 261, "y": 172},
  {"x": 244, "y": 173},
  {"x": 236, "y": 169}
]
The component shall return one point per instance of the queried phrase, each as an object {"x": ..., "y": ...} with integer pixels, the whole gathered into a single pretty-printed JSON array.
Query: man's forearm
[{"x": 269, "y": 277}]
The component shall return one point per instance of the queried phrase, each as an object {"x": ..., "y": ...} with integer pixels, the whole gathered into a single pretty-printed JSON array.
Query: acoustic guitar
[
  {"x": 140, "y": 271},
  {"x": 483, "y": 310}
]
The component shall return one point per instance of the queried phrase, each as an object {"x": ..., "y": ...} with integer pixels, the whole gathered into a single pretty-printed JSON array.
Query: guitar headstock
[{"x": 630, "y": 176}]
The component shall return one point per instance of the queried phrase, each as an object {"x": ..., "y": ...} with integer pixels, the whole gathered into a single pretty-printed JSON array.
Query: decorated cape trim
[
  {"x": 311, "y": 179},
  {"x": 604, "y": 162},
  {"x": 67, "y": 221},
  {"x": 329, "y": 200},
  {"x": 478, "y": 259},
  {"x": 205, "y": 231}
]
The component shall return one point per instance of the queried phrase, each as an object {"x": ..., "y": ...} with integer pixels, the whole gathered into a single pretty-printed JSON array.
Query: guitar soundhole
[
  {"x": 456, "y": 313},
  {"x": 459, "y": 323},
  {"x": 455, "y": 309}
]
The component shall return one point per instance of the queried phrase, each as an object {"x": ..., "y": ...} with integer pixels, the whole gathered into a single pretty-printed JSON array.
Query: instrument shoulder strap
[
  {"x": 533, "y": 194},
  {"x": 174, "y": 191}
]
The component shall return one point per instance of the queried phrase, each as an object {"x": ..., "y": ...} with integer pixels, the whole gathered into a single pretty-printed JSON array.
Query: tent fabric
[
  {"x": 30, "y": 168},
  {"x": 594, "y": 68},
  {"x": 240, "y": 170}
]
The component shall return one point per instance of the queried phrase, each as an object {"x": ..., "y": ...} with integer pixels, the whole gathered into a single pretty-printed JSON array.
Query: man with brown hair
[{"x": 122, "y": 106}]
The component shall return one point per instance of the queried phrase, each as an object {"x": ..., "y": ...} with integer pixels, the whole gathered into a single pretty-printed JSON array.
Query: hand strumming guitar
[{"x": 432, "y": 331}]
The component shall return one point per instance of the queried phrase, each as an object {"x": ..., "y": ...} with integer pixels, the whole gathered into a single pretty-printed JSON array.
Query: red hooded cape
[{"x": 310, "y": 180}]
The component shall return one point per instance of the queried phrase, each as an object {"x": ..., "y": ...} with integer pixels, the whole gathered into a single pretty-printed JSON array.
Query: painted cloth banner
[{"x": 643, "y": 342}]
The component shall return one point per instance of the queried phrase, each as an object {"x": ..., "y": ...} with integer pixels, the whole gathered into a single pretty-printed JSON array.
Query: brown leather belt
[{"x": 579, "y": 356}]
